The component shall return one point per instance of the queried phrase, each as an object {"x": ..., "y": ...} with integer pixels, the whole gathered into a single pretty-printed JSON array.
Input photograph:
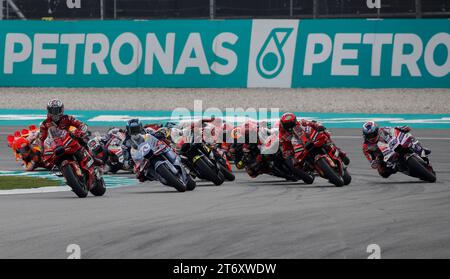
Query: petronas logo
[{"x": 270, "y": 60}]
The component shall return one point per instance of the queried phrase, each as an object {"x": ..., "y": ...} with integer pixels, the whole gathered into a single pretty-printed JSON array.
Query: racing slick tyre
[
  {"x": 299, "y": 173},
  {"x": 99, "y": 188},
  {"x": 229, "y": 176},
  {"x": 303, "y": 175},
  {"x": 420, "y": 171},
  {"x": 208, "y": 173},
  {"x": 114, "y": 169},
  {"x": 191, "y": 184},
  {"x": 78, "y": 187},
  {"x": 330, "y": 173},
  {"x": 171, "y": 179},
  {"x": 347, "y": 177},
  {"x": 306, "y": 177}
]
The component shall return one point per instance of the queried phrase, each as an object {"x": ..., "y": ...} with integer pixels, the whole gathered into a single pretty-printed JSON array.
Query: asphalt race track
[{"x": 249, "y": 218}]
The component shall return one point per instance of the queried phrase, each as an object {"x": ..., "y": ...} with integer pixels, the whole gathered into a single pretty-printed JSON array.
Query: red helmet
[
  {"x": 288, "y": 121},
  {"x": 22, "y": 147}
]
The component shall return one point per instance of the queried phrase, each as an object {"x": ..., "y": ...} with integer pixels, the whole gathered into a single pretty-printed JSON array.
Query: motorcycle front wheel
[
  {"x": 171, "y": 178},
  {"x": 99, "y": 188},
  {"x": 420, "y": 171},
  {"x": 78, "y": 187},
  {"x": 347, "y": 177},
  {"x": 330, "y": 173},
  {"x": 229, "y": 176},
  {"x": 209, "y": 173},
  {"x": 191, "y": 184}
]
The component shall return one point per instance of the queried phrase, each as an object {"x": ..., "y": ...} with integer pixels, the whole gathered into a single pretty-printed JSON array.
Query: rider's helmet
[
  {"x": 22, "y": 147},
  {"x": 370, "y": 132},
  {"x": 165, "y": 132},
  {"x": 95, "y": 146},
  {"x": 55, "y": 109},
  {"x": 288, "y": 121},
  {"x": 134, "y": 127}
]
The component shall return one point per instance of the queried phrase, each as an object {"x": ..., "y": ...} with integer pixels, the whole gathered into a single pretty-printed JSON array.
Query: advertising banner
[{"x": 226, "y": 53}]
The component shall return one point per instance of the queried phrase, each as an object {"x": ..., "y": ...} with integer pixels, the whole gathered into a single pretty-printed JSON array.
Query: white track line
[{"x": 52, "y": 189}]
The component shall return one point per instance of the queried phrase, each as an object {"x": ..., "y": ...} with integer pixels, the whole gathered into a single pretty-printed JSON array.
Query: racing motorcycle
[
  {"x": 204, "y": 163},
  {"x": 157, "y": 161},
  {"x": 112, "y": 152},
  {"x": 399, "y": 154},
  {"x": 277, "y": 165},
  {"x": 62, "y": 149},
  {"x": 221, "y": 157},
  {"x": 322, "y": 158},
  {"x": 26, "y": 148}
]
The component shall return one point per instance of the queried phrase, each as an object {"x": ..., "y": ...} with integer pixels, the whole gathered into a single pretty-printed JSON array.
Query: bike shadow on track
[
  {"x": 378, "y": 183},
  {"x": 291, "y": 184}
]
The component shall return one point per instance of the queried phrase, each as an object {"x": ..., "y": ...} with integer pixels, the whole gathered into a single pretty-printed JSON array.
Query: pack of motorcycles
[{"x": 172, "y": 157}]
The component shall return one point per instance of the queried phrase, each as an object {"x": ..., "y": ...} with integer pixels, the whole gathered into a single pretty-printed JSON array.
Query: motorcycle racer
[
  {"x": 137, "y": 135},
  {"x": 245, "y": 148},
  {"x": 30, "y": 154},
  {"x": 57, "y": 118},
  {"x": 373, "y": 134},
  {"x": 292, "y": 129}
]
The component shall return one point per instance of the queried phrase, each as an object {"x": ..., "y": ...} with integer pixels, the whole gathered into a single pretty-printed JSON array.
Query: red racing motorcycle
[
  {"x": 64, "y": 151},
  {"x": 322, "y": 157}
]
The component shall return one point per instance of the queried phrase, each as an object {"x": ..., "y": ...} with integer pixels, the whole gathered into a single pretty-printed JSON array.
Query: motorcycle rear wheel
[
  {"x": 171, "y": 179},
  {"x": 330, "y": 173},
  {"x": 208, "y": 173},
  {"x": 420, "y": 171},
  {"x": 229, "y": 176},
  {"x": 306, "y": 177},
  {"x": 78, "y": 187},
  {"x": 299, "y": 173},
  {"x": 99, "y": 189},
  {"x": 114, "y": 169}
]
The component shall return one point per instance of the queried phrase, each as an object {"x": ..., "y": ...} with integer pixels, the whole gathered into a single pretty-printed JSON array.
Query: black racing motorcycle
[{"x": 202, "y": 162}]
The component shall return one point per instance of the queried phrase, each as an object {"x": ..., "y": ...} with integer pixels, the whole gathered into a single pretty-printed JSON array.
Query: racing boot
[{"x": 344, "y": 158}]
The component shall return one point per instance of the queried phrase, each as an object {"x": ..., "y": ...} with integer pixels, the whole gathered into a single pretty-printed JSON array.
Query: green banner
[
  {"x": 373, "y": 53},
  {"x": 226, "y": 53},
  {"x": 191, "y": 53}
]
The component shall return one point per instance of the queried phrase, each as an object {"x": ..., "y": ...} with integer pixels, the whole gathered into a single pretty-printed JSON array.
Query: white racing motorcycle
[
  {"x": 400, "y": 154},
  {"x": 157, "y": 161}
]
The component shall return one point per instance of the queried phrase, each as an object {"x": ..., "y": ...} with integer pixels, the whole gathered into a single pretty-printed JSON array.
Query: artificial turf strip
[{"x": 25, "y": 182}]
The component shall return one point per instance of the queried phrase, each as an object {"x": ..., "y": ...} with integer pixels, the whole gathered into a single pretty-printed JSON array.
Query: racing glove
[
  {"x": 320, "y": 128},
  {"x": 404, "y": 129},
  {"x": 374, "y": 164},
  {"x": 78, "y": 133}
]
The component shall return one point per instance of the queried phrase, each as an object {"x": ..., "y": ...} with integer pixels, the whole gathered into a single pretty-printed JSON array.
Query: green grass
[{"x": 25, "y": 182}]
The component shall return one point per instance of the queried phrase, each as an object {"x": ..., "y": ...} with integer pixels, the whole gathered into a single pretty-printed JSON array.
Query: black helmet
[
  {"x": 55, "y": 109},
  {"x": 134, "y": 127}
]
